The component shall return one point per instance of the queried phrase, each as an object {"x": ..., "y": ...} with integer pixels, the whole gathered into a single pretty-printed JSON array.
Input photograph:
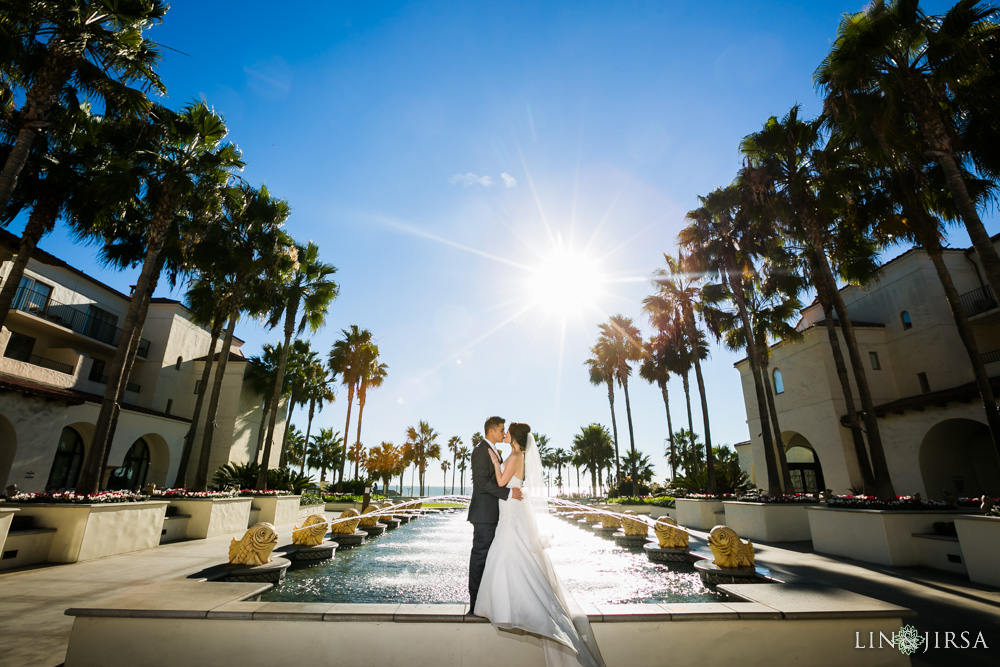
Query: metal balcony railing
[
  {"x": 991, "y": 356},
  {"x": 978, "y": 301},
  {"x": 79, "y": 320},
  {"x": 43, "y": 362},
  {"x": 129, "y": 386}
]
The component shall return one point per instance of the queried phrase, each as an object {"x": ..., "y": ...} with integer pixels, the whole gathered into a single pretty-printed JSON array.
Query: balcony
[
  {"x": 991, "y": 356},
  {"x": 978, "y": 301},
  {"x": 42, "y": 362},
  {"x": 129, "y": 386},
  {"x": 71, "y": 317}
]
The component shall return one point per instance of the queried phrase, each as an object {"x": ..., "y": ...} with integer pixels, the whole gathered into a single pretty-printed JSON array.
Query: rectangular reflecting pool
[{"x": 427, "y": 562}]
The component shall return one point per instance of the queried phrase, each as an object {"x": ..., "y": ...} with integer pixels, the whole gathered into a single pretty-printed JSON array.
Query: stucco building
[
  {"x": 56, "y": 344},
  {"x": 930, "y": 415}
]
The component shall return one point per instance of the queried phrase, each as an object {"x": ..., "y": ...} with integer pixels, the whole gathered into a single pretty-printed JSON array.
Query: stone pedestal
[
  {"x": 324, "y": 551},
  {"x": 632, "y": 541},
  {"x": 402, "y": 518},
  {"x": 390, "y": 524},
  {"x": 273, "y": 572},
  {"x": 600, "y": 529},
  {"x": 711, "y": 574},
  {"x": 658, "y": 554},
  {"x": 349, "y": 540},
  {"x": 374, "y": 531}
]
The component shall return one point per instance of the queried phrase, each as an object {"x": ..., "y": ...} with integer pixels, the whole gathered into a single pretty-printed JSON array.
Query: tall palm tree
[
  {"x": 296, "y": 447},
  {"x": 678, "y": 294},
  {"x": 916, "y": 64},
  {"x": 384, "y": 461},
  {"x": 422, "y": 440},
  {"x": 347, "y": 360},
  {"x": 318, "y": 390},
  {"x": 655, "y": 369},
  {"x": 91, "y": 47},
  {"x": 462, "y": 462},
  {"x": 309, "y": 287},
  {"x": 185, "y": 164},
  {"x": 325, "y": 451},
  {"x": 560, "y": 458},
  {"x": 301, "y": 359},
  {"x": 242, "y": 247},
  {"x": 371, "y": 376},
  {"x": 445, "y": 466},
  {"x": 601, "y": 370},
  {"x": 454, "y": 445},
  {"x": 592, "y": 444},
  {"x": 356, "y": 455},
  {"x": 800, "y": 182}
]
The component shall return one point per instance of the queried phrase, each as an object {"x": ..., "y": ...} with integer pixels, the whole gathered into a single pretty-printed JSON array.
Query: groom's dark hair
[{"x": 493, "y": 422}]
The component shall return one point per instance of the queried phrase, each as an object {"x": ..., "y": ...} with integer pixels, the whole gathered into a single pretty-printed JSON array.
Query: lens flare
[{"x": 565, "y": 283}]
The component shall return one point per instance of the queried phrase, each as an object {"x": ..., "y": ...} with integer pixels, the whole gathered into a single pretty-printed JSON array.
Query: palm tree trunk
[
  {"x": 206, "y": 375},
  {"x": 208, "y": 436},
  {"x": 860, "y": 449},
  {"x": 283, "y": 456},
  {"x": 709, "y": 456},
  {"x": 883, "y": 482},
  {"x": 347, "y": 430},
  {"x": 779, "y": 445},
  {"x": 41, "y": 220},
  {"x": 933, "y": 248},
  {"x": 279, "y": 380},
  {"x": 362, "y": 391},
  {"x": 670, "y": 427},
  {"x": 631, "y": 437},
  {"x": 687, "y": 399},
  {"x": 454, "y": 459},
  {"x": 265, "y": 409},
  {"x": 614, "y": 425},
  {"x": 93, "y": 467},
  {"x": 309, "y": 423}
]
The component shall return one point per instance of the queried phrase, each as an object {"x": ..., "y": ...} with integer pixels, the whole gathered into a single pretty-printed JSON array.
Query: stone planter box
[
  {"x": 940, "y": 552},
  {"x": 340, "y": 507},
  {"x": 27, "y": 547},
  {"x": 768, "y": 522},
  {"x": 979, "y": 537},
  {"x": 277, "y": 510},
  {"x": 310, "y": 509},
  {"x": 874, "y": 536},
  {"x": 698, "y": 513},
  {"x": 214, "y": 516},
  {"x": 85, "y": 532},
  {"x": 652, "y": 511},
  {"x": 6, "y": 516},
  {"x": 174, "y": 528}
]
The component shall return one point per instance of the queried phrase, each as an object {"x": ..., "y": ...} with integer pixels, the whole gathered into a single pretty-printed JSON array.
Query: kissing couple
[{"x": 511, "y": 579}]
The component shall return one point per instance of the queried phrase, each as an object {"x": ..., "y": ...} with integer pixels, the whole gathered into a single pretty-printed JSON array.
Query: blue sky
[{"x": 440, "y": 152}]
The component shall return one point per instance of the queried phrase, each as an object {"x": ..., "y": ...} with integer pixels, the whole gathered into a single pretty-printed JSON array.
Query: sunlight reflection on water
[{"x": 427, "y": 561}]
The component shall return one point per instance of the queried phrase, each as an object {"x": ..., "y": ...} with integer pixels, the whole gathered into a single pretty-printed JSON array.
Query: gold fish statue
[
  {"x": 256, "y": 546},
  {"x": 369, "y": 517},
  {"x": 729, "y": 550},
  {"x": 346, "y": 527},
  {"x": 311, "y": 533},
  {"x": 610, "y": 521},
  {"x": 669, "y": 535},
  {"x": 633, "y": 526}
]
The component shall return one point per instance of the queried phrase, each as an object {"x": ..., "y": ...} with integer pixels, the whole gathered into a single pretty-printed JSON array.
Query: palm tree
[
  {"x": 464, "y": 456},
  {"x": 260, "y": 374},
  {"x": 372, "y": 374},
  {"x": 325, "y": 452},
  {"x": 93, "y": 47},
  {"x": 544, "y": 451},
  {"x": 346, "y": 360},
  {"x": 423, "y": 444},
  {"x": 676, "y": 298},
  {"x": 356, "y": 455},
  {"x": 383, "y": 462},
  {"x": 301, "y": 360},
  {"x": 787, "y": 171},
  {"x": 560, "y": 458},
  {"x": 317, "y": 391},
  {"x": 185, "y": 164},
  {"x": 296, "y": 447},
  {"x": 592, "y": 444},
  {"x": 915, "y": 64},
  {"x": 655, "y": 369},
  {"x": 445, "y": 466},
  {"x": 454, "y": 444},
  {"x": 241, "y": 248},
  {"x": 601, "y": 369},
  {"x": 642, "y": 465},
  {"x": 309, "y": 287}
]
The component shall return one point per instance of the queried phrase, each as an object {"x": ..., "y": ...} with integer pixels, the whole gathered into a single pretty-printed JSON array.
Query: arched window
[
  {"x": 67, "y": 462},
  {"x": 905, "y": 318},
  {"x": 779, "y": 385},
  {"x": 132, "y": 473},
  {"x": 177, "y": 366}
]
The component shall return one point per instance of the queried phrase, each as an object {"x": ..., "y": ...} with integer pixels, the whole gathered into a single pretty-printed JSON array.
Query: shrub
[
  {"x": 308, "y": 499},
  {"x": 244, "y": 476},
  {"x": 628, "y": 488}
]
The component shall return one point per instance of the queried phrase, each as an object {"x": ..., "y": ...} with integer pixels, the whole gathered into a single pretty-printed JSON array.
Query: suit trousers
[{"x": 482, "y": 539}]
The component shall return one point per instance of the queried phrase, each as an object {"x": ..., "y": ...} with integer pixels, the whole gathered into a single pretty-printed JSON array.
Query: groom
[{"x": 484, "y": 509}]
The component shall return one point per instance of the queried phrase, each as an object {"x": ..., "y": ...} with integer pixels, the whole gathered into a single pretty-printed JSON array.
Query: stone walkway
[{"x": 35, "y": 632}]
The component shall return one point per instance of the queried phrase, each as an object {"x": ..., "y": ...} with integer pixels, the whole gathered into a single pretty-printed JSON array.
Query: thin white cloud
[
  {"x": 508, "y": 180},
  {"x": 469, "y": 179}
]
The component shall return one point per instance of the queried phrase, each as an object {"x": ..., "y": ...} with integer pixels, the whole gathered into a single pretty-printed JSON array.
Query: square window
[
  {"x": 873, "y": 356},
  {"x": 197, "y": 386},
  {"x": 19, "y": 347}
]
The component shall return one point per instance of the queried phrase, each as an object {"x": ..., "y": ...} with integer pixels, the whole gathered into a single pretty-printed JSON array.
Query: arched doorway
[
  {"x": 133, "y": 470},
  {"x": 803, "y": 465},
  {"x": 8, "y": 447},
  {"x": 957, "y": 457},
  {"x": 66, "y": 464}
]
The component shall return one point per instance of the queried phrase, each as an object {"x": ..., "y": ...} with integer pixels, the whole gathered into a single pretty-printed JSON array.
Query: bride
[{"x": 520, "y": 589}]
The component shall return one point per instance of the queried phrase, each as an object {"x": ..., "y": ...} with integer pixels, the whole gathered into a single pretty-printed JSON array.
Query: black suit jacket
[{"x": 486, "y": 493}]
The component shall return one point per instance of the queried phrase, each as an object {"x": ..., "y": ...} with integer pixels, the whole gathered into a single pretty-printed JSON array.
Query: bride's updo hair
[{"x": 519, "y": 433}]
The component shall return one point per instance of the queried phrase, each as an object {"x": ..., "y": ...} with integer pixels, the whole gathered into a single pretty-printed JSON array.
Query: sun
[{"x": 565, "y": 283}]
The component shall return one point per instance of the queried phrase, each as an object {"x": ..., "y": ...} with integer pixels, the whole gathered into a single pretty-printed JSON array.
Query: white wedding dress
[{"x": 520, "y": 590}]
